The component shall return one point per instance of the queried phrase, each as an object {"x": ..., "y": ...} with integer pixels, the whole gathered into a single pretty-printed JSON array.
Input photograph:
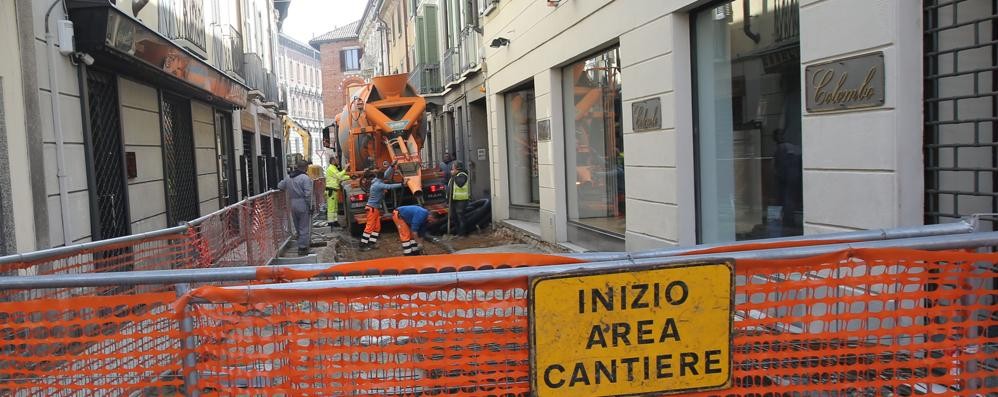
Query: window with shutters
[{"x": 350, "y": 59}]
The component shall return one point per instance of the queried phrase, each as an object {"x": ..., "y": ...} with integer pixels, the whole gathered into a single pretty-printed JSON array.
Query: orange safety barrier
[
  {"x": 245, "y": 234},
  {"x": 861, "y": 322},
  {"x": 417, "y": 265},
  {"x": 91, "y": 346}
]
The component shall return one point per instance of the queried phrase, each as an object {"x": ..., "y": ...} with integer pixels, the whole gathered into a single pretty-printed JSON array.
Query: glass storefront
[
  {"x": 594, "y": 142},
  {"x": 521, "y": 135},
  {"x": 748, "y": 93}
]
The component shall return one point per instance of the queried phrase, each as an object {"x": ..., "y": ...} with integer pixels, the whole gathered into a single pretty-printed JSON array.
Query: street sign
[{"x": 625, "y": 332}]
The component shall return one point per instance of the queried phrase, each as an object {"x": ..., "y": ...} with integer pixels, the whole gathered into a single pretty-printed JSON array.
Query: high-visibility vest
[
  {"x": 334, "y": 176},
  {"x": 461, "y": 192}
]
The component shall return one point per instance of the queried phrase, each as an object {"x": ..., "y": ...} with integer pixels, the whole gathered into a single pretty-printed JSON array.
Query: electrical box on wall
[{"x": 64, "y": 28}]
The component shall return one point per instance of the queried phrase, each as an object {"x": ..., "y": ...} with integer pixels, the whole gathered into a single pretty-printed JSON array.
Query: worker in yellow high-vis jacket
[{"x": 334, "y": 177}]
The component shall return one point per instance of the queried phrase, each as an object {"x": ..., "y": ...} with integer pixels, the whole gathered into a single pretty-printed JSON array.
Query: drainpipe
[
  {"x": 60, "y": 151},
  {"x": 405, "y": 37}
]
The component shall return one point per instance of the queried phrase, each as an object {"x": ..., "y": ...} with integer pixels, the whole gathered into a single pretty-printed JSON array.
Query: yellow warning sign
[{"x": 626, "y": 331}]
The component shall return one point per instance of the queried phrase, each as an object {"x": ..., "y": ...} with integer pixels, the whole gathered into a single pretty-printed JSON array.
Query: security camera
[{"x": 83, "y": 57}]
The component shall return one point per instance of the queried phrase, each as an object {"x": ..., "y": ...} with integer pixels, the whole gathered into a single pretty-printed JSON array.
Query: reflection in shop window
[
  {"x": 594, "y": 142},
  {"x": 521, "y": 132},
  {"x": 749, "y": 120}
]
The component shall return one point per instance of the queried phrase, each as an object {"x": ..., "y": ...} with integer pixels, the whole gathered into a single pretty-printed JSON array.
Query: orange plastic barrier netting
[
  {"x": 173, "y": 251},
  {"x": 90, "y": 346},
  {"x": 417, "y": 265},
  {"x": 864, "y": 322},
  {"x": 246, "y": 234}
]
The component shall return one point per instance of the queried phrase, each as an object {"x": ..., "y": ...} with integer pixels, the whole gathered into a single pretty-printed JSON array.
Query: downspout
[
  {"x": 405, "y": 36},
  {"x": 60, "y": 151},
  {"x": 747, "y": 23}
]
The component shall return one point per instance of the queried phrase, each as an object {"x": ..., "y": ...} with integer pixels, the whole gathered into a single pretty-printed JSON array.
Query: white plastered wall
[
  {"x": 205, "y": 158},
  {"x": 140, "y": 128},
  {"x": 542, "y": 41},
  {"x": 863, "y": 168},
  {"x": 14, "y": 126},
  {"x": 72, "y": 127}
]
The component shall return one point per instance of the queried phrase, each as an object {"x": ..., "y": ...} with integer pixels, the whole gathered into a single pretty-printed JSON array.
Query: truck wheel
[{"x": 350, "y": 223}]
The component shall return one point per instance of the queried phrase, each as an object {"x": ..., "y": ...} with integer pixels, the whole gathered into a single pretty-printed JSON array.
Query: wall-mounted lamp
[{"x": 499, "y": 42}]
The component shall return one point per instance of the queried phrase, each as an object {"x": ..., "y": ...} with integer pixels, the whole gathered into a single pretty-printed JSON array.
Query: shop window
[
  {"x": 748, "y": 135},
  {"x": 521, "y": 135},
  {"x": 594, "y": 142}
]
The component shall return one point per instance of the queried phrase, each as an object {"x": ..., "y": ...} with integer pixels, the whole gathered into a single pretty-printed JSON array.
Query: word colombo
[{"x": 640, "y": 332}]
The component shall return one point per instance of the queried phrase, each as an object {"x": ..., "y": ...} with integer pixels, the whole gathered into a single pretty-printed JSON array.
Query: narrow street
[{"x": 338, "y": 246}]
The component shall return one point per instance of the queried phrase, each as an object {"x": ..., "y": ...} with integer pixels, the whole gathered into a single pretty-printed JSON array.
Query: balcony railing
[
  {"x": 471, "y": 44},
  {"x": 426, "y": 78},
  {"x": 255, "y": 74},
  {"x": 270, "y": 88},
  {"x": 238, "y": 57},
  {"x": 183, "y": 22},
  {"x": 463, "y": 57},
  {"x": 221, "y": 50},
  {"x": 451, "y": 67}
]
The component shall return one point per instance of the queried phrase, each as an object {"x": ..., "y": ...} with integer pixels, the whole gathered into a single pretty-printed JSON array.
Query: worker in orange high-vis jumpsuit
[
  {"x": 410, "y": 220},
  {"x": 376, "y": 195}
]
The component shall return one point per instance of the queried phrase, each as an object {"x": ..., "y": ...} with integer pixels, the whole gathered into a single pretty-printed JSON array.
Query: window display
[
  {"x": 521, "y": 133},
  {"x": 594, "y": 142},
  {"x": 747, "y": 65}
]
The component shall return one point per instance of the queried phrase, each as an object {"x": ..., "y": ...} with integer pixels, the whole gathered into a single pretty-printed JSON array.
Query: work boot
[
  {"x": 365, "y": 246},
  {"x": 302, "y": 251}
]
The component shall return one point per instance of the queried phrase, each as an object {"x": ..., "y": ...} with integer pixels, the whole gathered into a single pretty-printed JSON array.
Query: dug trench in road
[{"x": 348, "y": 249}]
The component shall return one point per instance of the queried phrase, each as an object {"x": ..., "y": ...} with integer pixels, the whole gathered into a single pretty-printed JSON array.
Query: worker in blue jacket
[
  {"x": 410, "y": 220},
  {"x": 376, "y": 195}
]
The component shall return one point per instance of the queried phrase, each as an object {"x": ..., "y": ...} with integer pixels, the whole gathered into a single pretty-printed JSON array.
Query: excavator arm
[{"x": 306, "y": 138}]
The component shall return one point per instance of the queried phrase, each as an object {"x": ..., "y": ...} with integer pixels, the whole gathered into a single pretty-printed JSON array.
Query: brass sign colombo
[
  {"x": 646, "y": 115},
  {"x": 544, "y": 130},
  {"x": 624, "y": 332},
  {"x": 849, "y": 83}
]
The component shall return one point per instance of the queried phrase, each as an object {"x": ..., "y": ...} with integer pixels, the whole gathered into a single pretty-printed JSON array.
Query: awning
[{"x": 124, "y": 44}]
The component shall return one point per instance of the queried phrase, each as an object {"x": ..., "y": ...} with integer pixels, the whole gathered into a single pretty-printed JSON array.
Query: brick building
[{"x": 340, "y": 52}]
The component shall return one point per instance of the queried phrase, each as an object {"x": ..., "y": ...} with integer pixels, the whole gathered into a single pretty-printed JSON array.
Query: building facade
[
  {"x": 739, "y": 119},
  {"x": 340, "y": 53},
  {"x": 370, "y": 34},
  {"x": 138, "y": 122},
  {"x": 441, "y": 41},
  {"x": 301, "y": 88}
]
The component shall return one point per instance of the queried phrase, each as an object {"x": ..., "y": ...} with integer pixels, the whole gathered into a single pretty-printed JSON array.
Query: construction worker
[
  {"x": 376, "y": 195},
  {"x": 446, "y": 165},
  {"x": 460, "y": 194},
  {"x": 300, "y": 186},
  {"x": 410, "y": 220},
  {"x": 334, "y": 178}
]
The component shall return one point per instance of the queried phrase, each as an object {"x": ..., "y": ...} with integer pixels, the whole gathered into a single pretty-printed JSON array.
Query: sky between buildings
[{"x": 310, "y": 18}]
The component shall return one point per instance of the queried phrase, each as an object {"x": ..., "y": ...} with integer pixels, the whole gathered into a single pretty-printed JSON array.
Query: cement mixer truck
[{"x": 382, "y": 124}]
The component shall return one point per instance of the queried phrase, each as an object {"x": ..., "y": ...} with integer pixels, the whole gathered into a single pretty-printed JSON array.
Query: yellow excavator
[{"x": 314, "y": 170}]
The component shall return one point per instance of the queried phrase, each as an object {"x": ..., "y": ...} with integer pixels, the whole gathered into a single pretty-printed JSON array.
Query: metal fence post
[
  {"x": 247, "y": 210},
  {"x": 188, "y": 344}
]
